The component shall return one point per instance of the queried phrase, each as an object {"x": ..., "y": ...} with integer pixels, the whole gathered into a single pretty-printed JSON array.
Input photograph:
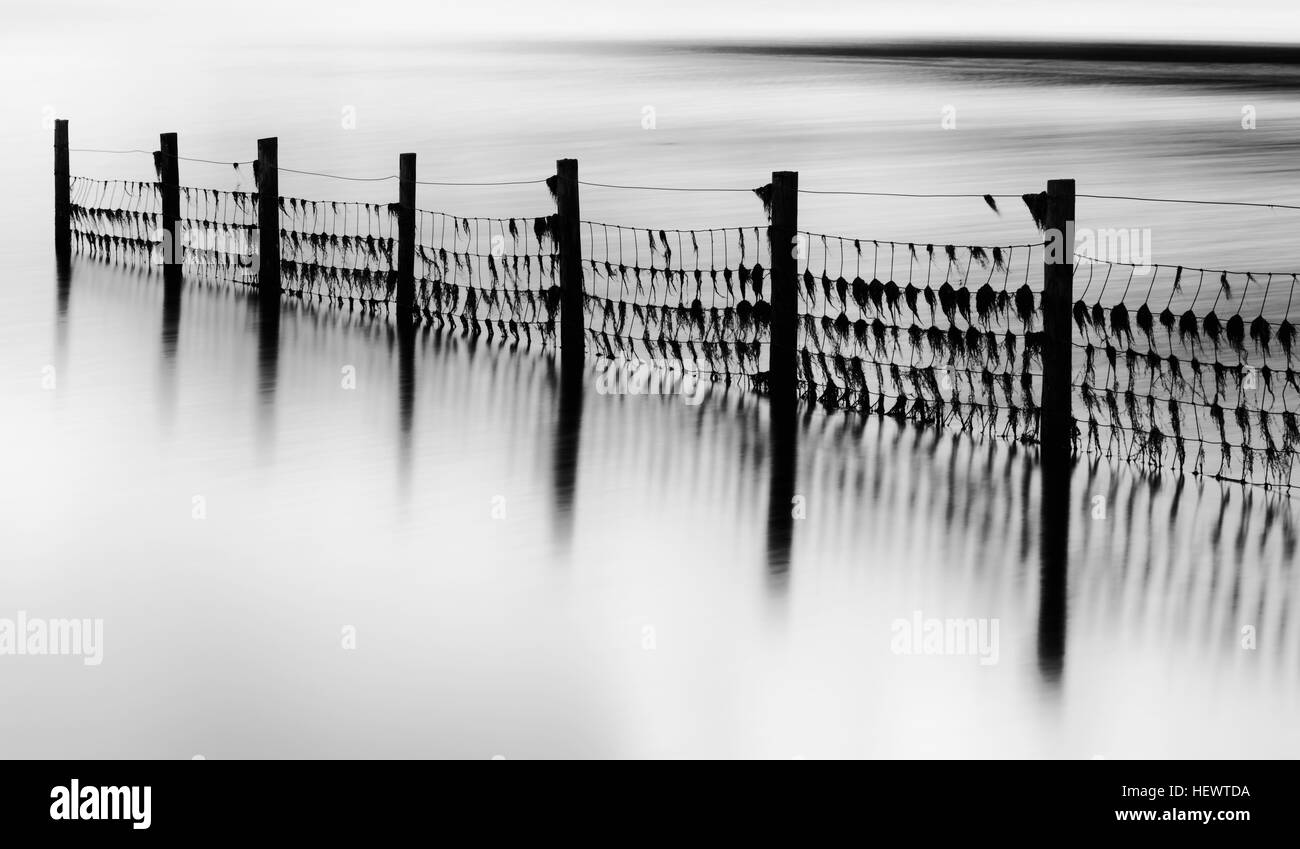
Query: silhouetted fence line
[
  {"x": 1202, "y": 379},
  {"x": 1013, "y": 342}
]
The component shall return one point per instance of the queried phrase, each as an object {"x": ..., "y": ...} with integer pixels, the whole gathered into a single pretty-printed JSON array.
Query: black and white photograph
[{"x": 710, "y": 380}]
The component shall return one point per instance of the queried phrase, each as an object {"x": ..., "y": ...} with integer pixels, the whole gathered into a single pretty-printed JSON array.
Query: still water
[{"x": 455, "y": 559}]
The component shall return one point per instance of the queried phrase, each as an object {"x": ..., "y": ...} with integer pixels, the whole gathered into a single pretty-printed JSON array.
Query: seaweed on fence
[
  {"x": 1202, "y": 373},
  {"x": 116, "y": 219},
  {"x": 689, "y": 302},
  {"x": 947, "y": 339},
  {"x": 488, "y": 276},
  {"x": 1201, "y": 377}
]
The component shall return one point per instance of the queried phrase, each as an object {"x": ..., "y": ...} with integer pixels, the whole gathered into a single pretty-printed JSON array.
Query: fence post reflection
[
  {"x": 784, "y": 459},
  {"x": 267, "y": 316},
  {"x": 565, "y": 447},
  {"x": 406, "y": 329}
]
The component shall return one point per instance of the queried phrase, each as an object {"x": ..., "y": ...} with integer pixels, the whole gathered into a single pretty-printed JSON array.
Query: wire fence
[
  {"x": 1175, "y": 368},
  {"x": 497, "y": 276},
  {"x": 116, "y": 219},
  {"x": 681, "y": 301},
  {"x": 950, "y": 336},
  {"x": 1203, "y": 379}
]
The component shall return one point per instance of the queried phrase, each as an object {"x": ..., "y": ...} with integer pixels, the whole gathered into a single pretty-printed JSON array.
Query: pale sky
[{"x": 1201, "y": 20}]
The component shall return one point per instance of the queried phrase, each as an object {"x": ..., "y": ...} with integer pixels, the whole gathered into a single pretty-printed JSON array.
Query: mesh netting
[
  {"x": 219, "y": 230},
  {"x": 116, "y": 219},
  {"x": 498, "y": 276},
  {"x": 1202, "y": 380},
  {"x": 942, "y": 334},
  {"x": 340, "y": 251},
  {"x": 689, "y": 300}
]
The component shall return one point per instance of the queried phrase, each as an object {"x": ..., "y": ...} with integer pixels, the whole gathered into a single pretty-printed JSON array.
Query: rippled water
[{"x": 531, "y": 572}]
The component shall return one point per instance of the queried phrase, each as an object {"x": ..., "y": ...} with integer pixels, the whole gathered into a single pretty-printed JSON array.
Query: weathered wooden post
[
  {"x": 782, "y": 236},
  {"x": 62, "y": 192},
  {"x": 1058, "y": 297},
  {"x": 783, "y": 399},
  {"x": 1057, "y": 425},
  {"x": 568, "y": 238},
  {"x": 268, "y": 219},
  {"x": 170, "y": 193},
  {"x": 406, "y": 235}
]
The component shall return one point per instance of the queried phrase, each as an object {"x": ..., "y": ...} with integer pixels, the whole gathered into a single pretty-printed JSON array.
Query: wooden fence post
[
  {"x": 268, "y": 219},
  {"x": 170, "y": 193},
  {"x": 62, "y": 192},
  {"x": 783, "y": 392},
  {"x": 568, "y": 237},
  {"x": 1057, "y": 426},
  {"x": 406, "y": 234},
  {"x": 783, "y": 348},
  {"x": 1058, "y": 297}
]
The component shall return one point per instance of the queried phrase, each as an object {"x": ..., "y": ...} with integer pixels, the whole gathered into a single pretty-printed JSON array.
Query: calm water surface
[{"x": 531, "y": 573}]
